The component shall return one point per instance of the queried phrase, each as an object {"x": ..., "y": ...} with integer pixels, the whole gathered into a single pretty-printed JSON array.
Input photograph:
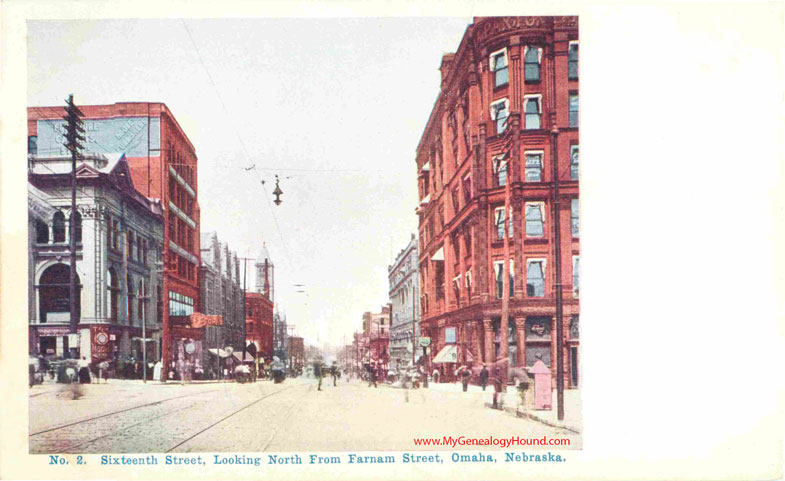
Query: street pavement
[{"x": 130, "y": 417}]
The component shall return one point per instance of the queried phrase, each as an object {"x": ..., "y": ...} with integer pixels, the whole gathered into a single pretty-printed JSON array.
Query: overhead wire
[{"x": 240, "y": 141}]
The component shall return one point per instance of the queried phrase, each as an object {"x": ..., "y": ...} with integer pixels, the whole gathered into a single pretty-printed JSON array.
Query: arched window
[
  {"x": 78, "y": 224},
  {"x": 112, "y": 285},
  {"x": 54, "y": 294},
  {"x": 58, "y": 227},
  {"x": 41, "y": 232}
]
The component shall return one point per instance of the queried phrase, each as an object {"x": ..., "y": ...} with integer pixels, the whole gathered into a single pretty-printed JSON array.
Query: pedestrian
[
  {"x": 103, "y": 371},
  {"x": 334, "y": 373},
  {"x": 84, "y": 371},
  {"x": 317, "y": 371},
  {"x": 497, "y": 387},
  {"x": 465, "y": 374},
  {"x": 484, "y": 377},
  {"x": 435, "y": 376},
  {"x": 375, "y": 375},
  {"x": 157, "y": 371}
]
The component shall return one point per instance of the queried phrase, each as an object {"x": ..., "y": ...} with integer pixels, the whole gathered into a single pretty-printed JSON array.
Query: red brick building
[
  {"x": 507, "y": 113},
  {"x": 259, "y": 323},
  {"x": 163, "y": 166},
  {"x": 296, "y": 355}
]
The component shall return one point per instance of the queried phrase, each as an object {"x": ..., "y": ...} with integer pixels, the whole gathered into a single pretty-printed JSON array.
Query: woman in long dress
[{"x": 84, "y": 371}]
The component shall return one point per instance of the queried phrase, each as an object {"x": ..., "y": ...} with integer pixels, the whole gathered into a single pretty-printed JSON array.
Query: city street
[{"x": 129, "y": 417}]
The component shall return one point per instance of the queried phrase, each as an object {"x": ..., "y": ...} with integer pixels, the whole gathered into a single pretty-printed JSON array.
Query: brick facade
[
  {"x": 163, "y": 166},
  {"x": 487, "y": 151}
]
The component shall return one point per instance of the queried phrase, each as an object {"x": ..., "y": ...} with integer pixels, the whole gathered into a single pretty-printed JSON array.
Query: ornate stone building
[
  {"x": 221, "y": 295},
  {"x": 162, "y": 165},
  {"x": 404, "y": 278},
  {"x": 119, "y": 238},
  {"x": 498, "y": 166}
]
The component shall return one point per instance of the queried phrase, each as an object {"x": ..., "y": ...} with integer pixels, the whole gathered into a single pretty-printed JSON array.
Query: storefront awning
[
  {"x": 449, "y": 353},
  {"x": 438, "y": 255},
  {"x": 218, "y": 352}
]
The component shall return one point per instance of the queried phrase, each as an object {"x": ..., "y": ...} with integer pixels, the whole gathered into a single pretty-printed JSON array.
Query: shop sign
[
  {"x": 425, "y": 341},
  {"x": 201, "y": 320},
  {"x": 101, "y": 342},
  {"x": 52, "y": 331}
]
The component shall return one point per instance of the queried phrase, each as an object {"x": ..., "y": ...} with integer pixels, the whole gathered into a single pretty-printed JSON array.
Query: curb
[{"x": 528, "y": 415}]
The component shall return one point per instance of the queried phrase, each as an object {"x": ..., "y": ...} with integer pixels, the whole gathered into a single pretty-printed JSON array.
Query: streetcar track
[
  {"x": 87, "y": 420},
  {"x": 285, "y": 418},
  {"x": 189, "y": 438},
  {"x": 125, "y": 428}
]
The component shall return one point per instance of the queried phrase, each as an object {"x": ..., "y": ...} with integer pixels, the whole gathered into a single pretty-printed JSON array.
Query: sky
[{"x": 334, "y": 107}]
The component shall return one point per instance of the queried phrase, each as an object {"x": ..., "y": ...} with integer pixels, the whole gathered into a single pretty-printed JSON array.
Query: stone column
[
  {"x": 490, "y": 355},
  {"x": 91, "y": 227},
  {"x": 520, "y": 330},
  {"x": 476, "y": 332}
]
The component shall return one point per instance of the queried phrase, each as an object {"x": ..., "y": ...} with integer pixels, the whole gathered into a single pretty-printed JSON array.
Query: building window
[
  {"x": 574, "y": 217},
  {"x": 180, "y": 305},
  {"x": 572, "y": 57},
  {"x": 449, "y": 335},
  {"x": 500, "y": 170},
  {"x": 535, "y": 278},
  {"x": 32, "y": 145},
  {"x": 131, "y": 295},
  {"x": 54, "y": 294},
  {"x": 575, "y": 275},
  {"x": 499, "y": 216},
  {"x": 499, "y": 268},
  {"x": 41, "y": 232},
  {"x": 531, "y": 64},
  {"x": 468, "y": 278},
  {"x": 573, "y": 110},
  {"x": 532, "y": 112},
  {"x": 534, "y": 219},
  {"x": 58, "y": 227},
  {"x": 467, "y": 189},
  {"x": 131, "y": 246},
  {"x": 78, "y": 227},
  {"x": 113, "y": 286},
  {"x": 533, "y": 167},
  {"x": 141, "y": 300},
  {"x": 499, "y": 68},
  {"x": 499, "y": 112},
  {"x": 574, "y": 162}
]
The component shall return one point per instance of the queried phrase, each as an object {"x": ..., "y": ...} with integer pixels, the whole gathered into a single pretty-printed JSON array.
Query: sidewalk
[
  {"x": 511, "y": 403},
  {"x": 572, "y": 410}
]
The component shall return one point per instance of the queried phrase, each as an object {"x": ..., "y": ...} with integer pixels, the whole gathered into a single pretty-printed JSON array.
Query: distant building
[
  {"x": 259, "y": 307},
  {"x": 220, "y": 295},
  {"x": 119, "y": 238},
  {"x": 404, "y": 278},
  {"x": 280, "y": 337},
  {"x": 296, "y": 355}
]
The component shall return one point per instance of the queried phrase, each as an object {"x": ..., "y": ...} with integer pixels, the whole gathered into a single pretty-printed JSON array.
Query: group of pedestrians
[{"x": 318, "y": 372}]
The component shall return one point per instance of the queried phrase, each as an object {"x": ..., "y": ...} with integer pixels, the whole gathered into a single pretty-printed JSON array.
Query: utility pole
[
  {"x": 557, "y": 247},
  {"x": 73, "y": 141}
]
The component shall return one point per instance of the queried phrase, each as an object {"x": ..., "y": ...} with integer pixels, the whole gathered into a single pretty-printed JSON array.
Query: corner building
[
  {"x": 163, "y": 166},
  {"x": 506, "y": 114}
]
